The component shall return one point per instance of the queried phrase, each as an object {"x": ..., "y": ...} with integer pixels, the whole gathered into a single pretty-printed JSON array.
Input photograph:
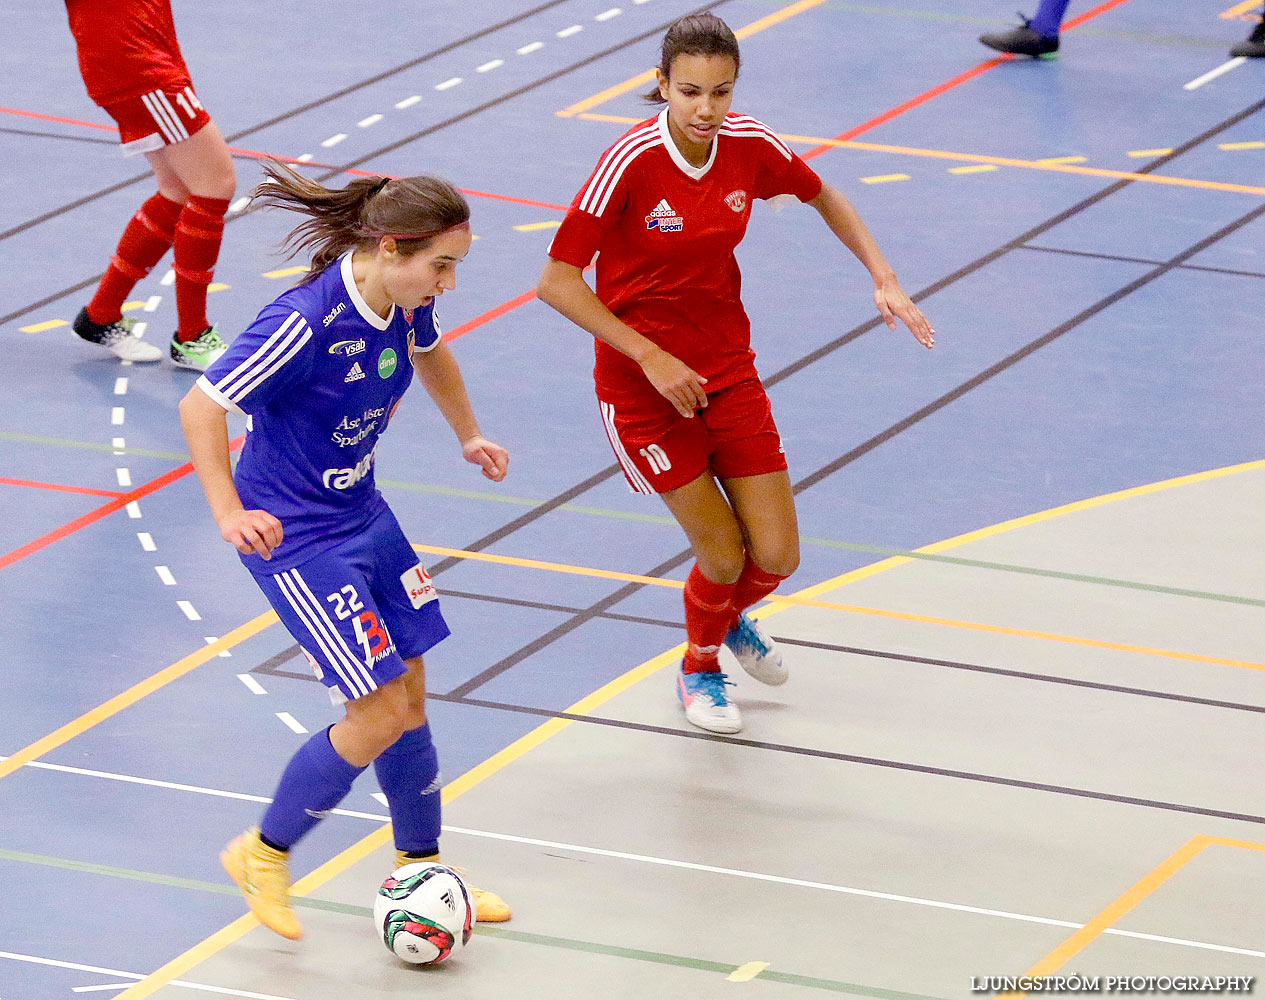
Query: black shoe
[
  {"x": 1254, "y": 47},
  {"x": 116, "y": 337},
  {"x": 1021, "y": 41}
]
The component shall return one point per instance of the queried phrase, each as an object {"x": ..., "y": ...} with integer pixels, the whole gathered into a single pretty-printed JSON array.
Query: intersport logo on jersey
[
  {"x": 665, "y": 219},
  {"x": 345, "y": 479}
]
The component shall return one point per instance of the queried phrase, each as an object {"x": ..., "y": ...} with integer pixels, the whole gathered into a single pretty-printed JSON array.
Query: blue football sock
[
  {"x": 1048, "y": 17},
  {"x": 408, "y": 772},
  {"x": 314, "y": 782}
]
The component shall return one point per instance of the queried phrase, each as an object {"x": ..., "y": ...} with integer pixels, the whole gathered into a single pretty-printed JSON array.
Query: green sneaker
[{"x": 200, "y": 353}]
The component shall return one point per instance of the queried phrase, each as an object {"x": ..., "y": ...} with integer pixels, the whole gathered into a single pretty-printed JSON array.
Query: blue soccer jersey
[{"x": 318, "y": 375}]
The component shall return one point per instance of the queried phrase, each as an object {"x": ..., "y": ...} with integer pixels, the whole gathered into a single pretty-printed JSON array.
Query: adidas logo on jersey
[
  {"x": 664, "y": 219},
  {"x": 355, "y": 374}
]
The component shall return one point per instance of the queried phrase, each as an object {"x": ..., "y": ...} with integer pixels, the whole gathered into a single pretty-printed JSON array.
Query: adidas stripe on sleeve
[{"x": 266, "y": 358}]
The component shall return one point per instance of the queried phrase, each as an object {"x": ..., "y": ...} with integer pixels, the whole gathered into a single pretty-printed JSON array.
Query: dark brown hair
[
  {"x": 412, "y": 209},
  {"x": 694, "y": 35}
]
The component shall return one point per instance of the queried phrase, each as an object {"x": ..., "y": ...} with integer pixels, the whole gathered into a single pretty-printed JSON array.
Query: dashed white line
[
  {"x": 575, "y": 29},
  {"x": 133, "y": 509},
  {"x": 641, "y": 1},
  {"x": 164, "y": 574},
  {"x": 239, "y": 204},
  {"x": 151, "y": 303},
  {"x": 530, "y": 48},
  {"x": 292, "y": 722},
  {"x": 215, "y": 638},
  {"x": 1212, "y": 74},
  {"x": 334, "y": 140},
  {"x": 100, "y": 989},
  {"x": 380, "y": 797},
  {"x": 116, "y": 415},
  {"x": 120, "y": 386},
  {"x": 606, "y": 15},
  {"x": 251, "y": 683},
  {"x": 408, "y": 102},
  {"x": 137, "y": 331},
  {"x": 124, "y": 477},
  {"x": 189, "y": 610},
  {"x": 490, "y": 65},
  {"x": 304, "y": 158},
  {"x": 450, "y": 82},
  {"x": 371, "y": 120},
  {"x": 170, "y": 277},
  {"x": 147, "y": 541},
  {"x": 120, "y": 446}
]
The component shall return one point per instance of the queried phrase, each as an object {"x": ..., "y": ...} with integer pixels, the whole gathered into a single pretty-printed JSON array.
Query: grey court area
[{"x": 922, "y": 804}]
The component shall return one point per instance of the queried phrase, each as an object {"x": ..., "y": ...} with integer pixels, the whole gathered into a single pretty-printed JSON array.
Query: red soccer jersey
[
  {"x": 126, "y": 48},
  {"x": 666, "y": 232}
]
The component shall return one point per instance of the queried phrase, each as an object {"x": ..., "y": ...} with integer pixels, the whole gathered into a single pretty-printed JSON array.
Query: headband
[{"x": 424, "y": 236}]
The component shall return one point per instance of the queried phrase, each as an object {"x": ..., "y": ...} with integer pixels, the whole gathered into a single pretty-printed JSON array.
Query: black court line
[
  {"x": 942, "y": 772},
  {"x": 1144, "y": 260},
  {"x": 874, "y": 442},
  {"x": 272, "y": 666}
]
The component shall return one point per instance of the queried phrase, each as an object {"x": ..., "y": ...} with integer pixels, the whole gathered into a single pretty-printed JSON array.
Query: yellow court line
[
  {"x": 1055, "y": 165},
  {"x": 1120, "y": 906},
  {"x": 532, "y": 226},
  {"x": 285, "y": 272},
  {"x": 341, "y": 862},
  {"x": 1254, "y": 144},
  {"x": 746, "y": 972},
  {"x": 1239, "y": 9},
  {"x": 884, "y": 178},
  {"x": 632, "y": 83},
  {"x": 979, "y": 169},
  {"x": 48, "y": 324},
  {"x": 1141, "y": 154},
  {"x": 134, "y": 694}
]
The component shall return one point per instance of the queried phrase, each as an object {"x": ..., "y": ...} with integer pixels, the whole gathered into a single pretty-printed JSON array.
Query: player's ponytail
[
  {"x": 694, "y": 35},
  {"x": 412, "y": 209}
]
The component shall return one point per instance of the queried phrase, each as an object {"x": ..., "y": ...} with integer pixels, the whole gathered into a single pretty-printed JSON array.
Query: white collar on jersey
[
  {"x": 358, "y": 300},
  {"x": 695, "y": 173}
]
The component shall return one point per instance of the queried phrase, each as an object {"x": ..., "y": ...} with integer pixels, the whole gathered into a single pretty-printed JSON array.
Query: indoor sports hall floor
[{"x": 1023, "y": 732}]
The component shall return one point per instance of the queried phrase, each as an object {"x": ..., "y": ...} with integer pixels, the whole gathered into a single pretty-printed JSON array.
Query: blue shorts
[{"x": 359, "y": 609}]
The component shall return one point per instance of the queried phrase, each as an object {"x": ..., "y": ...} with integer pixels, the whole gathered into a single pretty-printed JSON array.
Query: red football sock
[
  {"x": 708, "y": 611},
  {"x": 147, "y": 237},
  {"x": 198, "y": 236},
  {"x": 753, "y": 583}
]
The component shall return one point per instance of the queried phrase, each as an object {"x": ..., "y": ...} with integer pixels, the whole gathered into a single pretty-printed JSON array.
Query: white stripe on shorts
[
  {"x": 165, "y": 101},
  {"x": 332, "y": 653},
  {"x": 158, "y": 114},
  {"x": 639, "y": 483},
  {"x": 362, "y": 669}
]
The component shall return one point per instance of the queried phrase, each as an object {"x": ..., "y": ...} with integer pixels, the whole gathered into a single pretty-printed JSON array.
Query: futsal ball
[{"x": 424, "y": 913}]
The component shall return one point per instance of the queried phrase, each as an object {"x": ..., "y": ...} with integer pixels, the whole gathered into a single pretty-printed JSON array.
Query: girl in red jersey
[
  {"x": 132, "y": 68},
  {"x": 684, "y": 409}
]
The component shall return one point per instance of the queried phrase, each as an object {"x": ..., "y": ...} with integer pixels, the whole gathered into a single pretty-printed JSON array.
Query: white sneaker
[
  {"x": 116, "y": 337},
  {"x": 706, "y": 706},
  {"x": 756, "y": 652}
]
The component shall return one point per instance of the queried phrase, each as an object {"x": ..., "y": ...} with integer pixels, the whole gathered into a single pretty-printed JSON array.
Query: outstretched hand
[
  {"x": 491, "y": 458},
  {"x": 892, "y": 303},
  {"x": 250, "y": 531}
]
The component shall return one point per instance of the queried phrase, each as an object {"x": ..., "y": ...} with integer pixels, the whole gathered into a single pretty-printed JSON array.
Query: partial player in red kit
[
  {"x": 684, "y": 409},
  {"x": 132, "y": 68}
]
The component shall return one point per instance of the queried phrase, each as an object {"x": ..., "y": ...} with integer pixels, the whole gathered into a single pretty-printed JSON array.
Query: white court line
[
  {"x": 170, "y": 277},
  {"x": 490, "y": 65},
  {"x": 119, "y": 446},
  {"x": 334, "y": 140},
  {"x": 294, "y": 724},
  {"x": 304, "y": 158},
  {"x": 606, "y": 15},
  {"x": 239, "y": 204},
  {"x": 371, "y": 120},
  {"x": 450, "y": 82},
  {"x": 164, "y": 574},
  {"x": 151, "y": 303},
  {"x": 147, "y": 541},
  {"x": 215, "y": 638},
  {"x": 575, "y": 29},
  {"x": 408, "y": 102},
  {"x": 222, "y": 990},
  {"x": 253, "y": 685},
  {"x": 99, "y": 989},
  {"x": 124, "y": 477},
  {"x": 120, "y": 386},
  {"x": 116, "y": 415},
  {"x": 133, "y": 509},
  {"x": 189, "y": 610},
  {"x": 667, "y": 862},
  {"x": 1225, "y": 67},
  {"x": 530, "y": 47},
  {"x": 138, "y": 331}
]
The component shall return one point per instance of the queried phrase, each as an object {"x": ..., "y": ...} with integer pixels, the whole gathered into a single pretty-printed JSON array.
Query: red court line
[
  {"x": 121, "y": 501},
  {"x": 54, "y": 118},
  {"x": 490, "y": 315},
  {"x": 948, "y": 85},
  {"x": 60, "y": 488}
]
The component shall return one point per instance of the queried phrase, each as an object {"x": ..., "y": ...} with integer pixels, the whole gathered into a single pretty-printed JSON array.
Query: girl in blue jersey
[{"x": 319, "y": 374}]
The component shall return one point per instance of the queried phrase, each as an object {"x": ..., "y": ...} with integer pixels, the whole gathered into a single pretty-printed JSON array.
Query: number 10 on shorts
[{"x": 656, "y": 458}]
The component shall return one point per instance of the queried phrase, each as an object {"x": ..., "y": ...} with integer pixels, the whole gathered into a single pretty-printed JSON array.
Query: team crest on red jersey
[
  {"x": 737, "y": 200},
  {"x": 664, "y": 218}
]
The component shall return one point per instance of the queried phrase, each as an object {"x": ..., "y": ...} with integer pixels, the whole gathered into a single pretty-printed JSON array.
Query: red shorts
[
  {"x": 159, "y": 118},
  {"x": 660, "y": 450}
]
